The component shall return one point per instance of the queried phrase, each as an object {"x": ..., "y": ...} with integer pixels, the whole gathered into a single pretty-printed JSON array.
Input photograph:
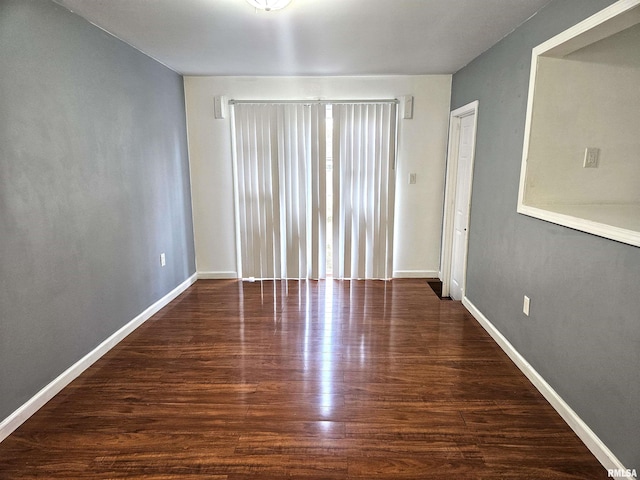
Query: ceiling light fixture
[{"x": 269, "y": 5}]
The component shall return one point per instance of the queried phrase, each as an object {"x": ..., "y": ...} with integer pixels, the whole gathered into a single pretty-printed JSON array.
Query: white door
[{"x": 461, "y": 206}]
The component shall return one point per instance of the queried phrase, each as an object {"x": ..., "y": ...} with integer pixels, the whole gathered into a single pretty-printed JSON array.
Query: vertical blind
[
  {"x": 280, "y": 164},
  {"x": 281, "y": 187},
  {"x": 364, "y": 153}
]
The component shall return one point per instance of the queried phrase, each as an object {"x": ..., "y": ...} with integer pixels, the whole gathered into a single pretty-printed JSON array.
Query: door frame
[{"x": 451, "y": 186}]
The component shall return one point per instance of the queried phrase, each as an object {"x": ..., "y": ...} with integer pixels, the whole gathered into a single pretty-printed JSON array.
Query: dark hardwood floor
[{"x": 308, "y": 380}]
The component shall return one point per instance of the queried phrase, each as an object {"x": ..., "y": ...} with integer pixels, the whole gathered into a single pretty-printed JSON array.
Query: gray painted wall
[
  {"x": 583, "y": 334},
  {"x": 94, "y": 185}
]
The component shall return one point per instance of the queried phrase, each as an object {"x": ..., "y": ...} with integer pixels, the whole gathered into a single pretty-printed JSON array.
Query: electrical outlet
[
  {"x": 412, "y": 178},
  {"x": 591, "y": 157},
  {"x": 163, "y": 260},
  {"x": 525, "y": 306}
]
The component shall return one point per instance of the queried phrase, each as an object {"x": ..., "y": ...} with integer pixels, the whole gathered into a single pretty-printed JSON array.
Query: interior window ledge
[{"x": 622, "y": 220}]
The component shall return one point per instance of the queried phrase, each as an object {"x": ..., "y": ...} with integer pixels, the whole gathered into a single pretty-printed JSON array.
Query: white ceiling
[{"x": 310, "y": 37}]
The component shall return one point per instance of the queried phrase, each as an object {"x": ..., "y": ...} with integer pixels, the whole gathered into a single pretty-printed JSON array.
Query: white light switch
[
  {"x": 591, "y": 157},
  {"x": 163, "y": 260},
  {"x": 525, "y": 306},
  {"x": 412, "y": 178}
]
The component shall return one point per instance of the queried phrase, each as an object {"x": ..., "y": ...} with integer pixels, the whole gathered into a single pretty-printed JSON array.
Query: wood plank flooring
[{"x": 308, "y": 380}]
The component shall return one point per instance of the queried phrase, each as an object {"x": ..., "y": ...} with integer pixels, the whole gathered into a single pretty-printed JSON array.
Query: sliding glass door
[{"x": 280, "y": 152}]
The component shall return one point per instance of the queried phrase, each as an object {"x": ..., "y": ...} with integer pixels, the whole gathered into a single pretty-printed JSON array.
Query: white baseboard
[
  {"x": 415, "y": 274},
  {"x": 588, "y": 437},
  {"x": 17, "y": 418},
  {"x": 217, "y": 275}
]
